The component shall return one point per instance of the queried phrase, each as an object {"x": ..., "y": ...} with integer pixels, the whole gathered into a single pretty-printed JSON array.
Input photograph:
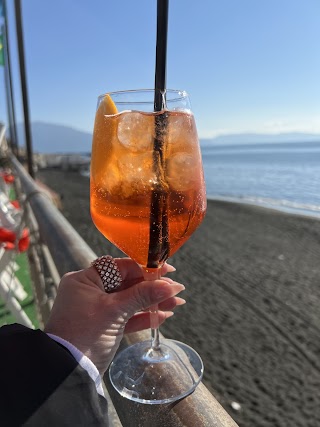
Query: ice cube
[
  {"x": 183, "y": 171},
  {"x": 181, "y": 129},
  {"x": 109, "y": 180},
  {"x": 136, "y": 131},
  {"x": 136, "y": 173}
]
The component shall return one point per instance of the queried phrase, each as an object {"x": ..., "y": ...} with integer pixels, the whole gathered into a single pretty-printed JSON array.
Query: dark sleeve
[{"x": 43, "y": 385}]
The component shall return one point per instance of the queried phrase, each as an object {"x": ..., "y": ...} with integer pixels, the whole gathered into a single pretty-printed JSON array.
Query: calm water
[{"x": 284, "y": 176}]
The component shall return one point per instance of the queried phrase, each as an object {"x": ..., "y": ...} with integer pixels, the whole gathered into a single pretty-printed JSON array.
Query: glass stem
[
  {"x": 155, "y": 333},
  {"x": 153, "y": 274}
]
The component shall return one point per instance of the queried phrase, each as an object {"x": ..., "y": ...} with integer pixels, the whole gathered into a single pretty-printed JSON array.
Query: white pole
[{"x": 14, "y": 307}]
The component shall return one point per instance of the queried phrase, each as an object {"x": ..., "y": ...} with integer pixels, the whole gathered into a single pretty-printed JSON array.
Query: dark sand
[{"x": 252, "y": 279}]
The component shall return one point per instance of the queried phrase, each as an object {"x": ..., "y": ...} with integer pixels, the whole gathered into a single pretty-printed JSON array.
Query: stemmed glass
[{"x": 148, "y": 197}]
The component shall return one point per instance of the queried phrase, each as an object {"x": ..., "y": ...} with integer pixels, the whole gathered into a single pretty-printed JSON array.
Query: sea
[{"x": 282, "y": 176}]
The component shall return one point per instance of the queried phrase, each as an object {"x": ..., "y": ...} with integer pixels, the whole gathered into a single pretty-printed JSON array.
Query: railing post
[{"x": 24, "y": 88}]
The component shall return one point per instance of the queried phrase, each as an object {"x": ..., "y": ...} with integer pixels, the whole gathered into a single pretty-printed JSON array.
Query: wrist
[{"x": 82, "y": 360}]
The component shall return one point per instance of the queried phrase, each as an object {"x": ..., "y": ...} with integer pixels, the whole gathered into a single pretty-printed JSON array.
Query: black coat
[{"x": 41, "y": 384}]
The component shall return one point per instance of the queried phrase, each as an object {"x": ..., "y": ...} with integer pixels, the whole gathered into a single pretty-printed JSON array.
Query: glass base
[{"x": 151, "y": 376}]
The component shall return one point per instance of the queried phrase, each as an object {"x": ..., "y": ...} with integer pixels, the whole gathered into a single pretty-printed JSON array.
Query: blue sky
[{"x": 248, "y": 65}]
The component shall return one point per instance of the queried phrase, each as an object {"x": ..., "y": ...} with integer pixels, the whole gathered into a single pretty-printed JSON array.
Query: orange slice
[
  {"x": 107, "y": 107},
  {"x": 103, "y": 134}
]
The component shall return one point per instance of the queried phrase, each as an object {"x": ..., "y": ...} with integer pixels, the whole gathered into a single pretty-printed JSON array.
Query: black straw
[
  {"x": 161, "y": 53},
  {"x": 159, "y": 227}
]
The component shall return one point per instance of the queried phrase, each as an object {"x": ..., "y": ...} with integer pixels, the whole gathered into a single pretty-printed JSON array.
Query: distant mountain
[
  {"x": 256, "y": 138},
  {"x": 52, "y": 138}
]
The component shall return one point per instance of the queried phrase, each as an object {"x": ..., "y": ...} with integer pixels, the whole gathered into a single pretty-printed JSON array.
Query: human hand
[{"x": 94, "y": 321}]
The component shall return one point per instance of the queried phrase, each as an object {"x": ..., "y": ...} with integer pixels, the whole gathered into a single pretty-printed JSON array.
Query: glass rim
[{"x": 180, "y": 94}]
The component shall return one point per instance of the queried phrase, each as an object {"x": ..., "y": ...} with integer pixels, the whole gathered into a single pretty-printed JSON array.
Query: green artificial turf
[{"x": 28, "y": 304}]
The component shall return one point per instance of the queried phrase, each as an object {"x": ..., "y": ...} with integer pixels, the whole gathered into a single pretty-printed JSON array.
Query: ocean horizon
[{"x": 282, "y": 176}]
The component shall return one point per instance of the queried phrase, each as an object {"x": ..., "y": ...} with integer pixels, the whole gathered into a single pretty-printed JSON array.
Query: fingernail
[
  {"x": 164, "y": 292},
  {"x": 181, "y": 285},
  {"x": 170, "y": 268},
  {"x": 169, "y": 314},
  {"x": 180, "y": 301}
]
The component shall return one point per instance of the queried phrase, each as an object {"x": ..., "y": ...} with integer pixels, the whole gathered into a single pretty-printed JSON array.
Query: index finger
[{"x": 132, "y": 273}]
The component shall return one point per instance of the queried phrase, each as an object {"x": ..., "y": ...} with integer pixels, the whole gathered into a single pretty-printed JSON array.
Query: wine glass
[{"x": 147, "y": 195}]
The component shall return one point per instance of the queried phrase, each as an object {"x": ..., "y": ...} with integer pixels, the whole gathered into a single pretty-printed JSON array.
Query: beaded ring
[{"x": 109, "y": 272}]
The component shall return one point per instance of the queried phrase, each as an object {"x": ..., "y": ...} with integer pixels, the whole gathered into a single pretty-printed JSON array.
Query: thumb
[{"x": 145, "y": 294}]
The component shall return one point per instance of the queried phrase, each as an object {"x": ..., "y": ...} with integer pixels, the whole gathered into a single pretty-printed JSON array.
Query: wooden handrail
[{"x": 70, "y": 252}]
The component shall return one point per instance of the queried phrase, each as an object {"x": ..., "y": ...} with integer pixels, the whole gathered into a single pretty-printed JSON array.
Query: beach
[{"x": 252, "y": 279}]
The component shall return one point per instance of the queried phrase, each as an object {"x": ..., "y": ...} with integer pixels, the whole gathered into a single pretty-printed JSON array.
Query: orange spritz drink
[
  {"x": 123, "y": 179},
  {"x": 148, "y": 196}
]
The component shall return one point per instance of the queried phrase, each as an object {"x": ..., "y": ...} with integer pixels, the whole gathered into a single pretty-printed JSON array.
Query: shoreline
[
  {"x": 276, "y": 206},
  {"x": 252, "y": 279}
]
